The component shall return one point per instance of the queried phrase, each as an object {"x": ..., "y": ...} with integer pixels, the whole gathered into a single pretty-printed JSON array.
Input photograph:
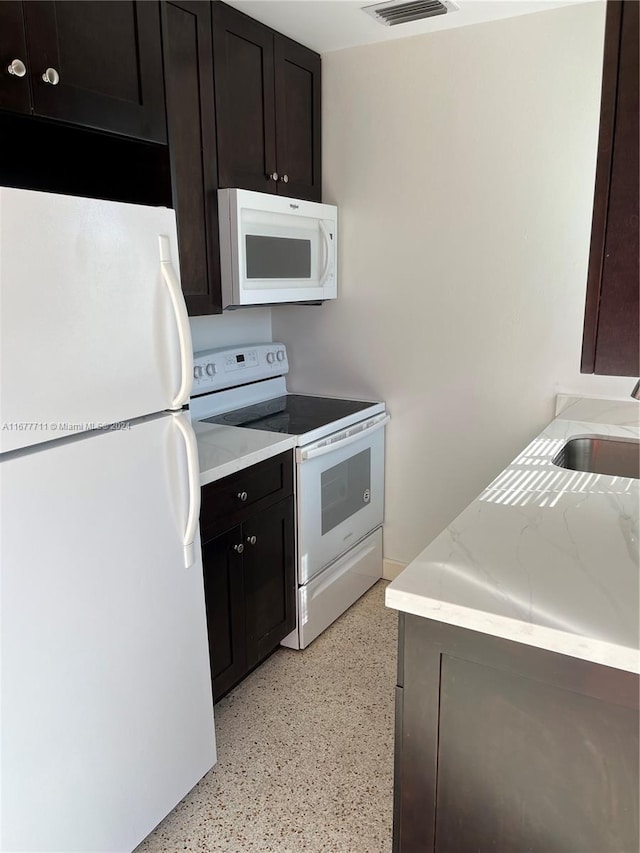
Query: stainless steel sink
[{"x": 598, "y": 454}]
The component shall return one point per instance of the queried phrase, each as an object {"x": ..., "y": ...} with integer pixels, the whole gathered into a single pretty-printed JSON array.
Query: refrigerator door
[
  {"x": 93, "y": 327},
  {"x": 106, "y": 714}
]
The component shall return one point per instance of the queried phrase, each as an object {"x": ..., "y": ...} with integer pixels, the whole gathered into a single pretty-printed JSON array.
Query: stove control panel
[{"x": 227, "y": 367}]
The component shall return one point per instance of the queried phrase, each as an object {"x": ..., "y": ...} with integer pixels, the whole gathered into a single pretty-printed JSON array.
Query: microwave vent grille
[{"x": 391, "y": 14}]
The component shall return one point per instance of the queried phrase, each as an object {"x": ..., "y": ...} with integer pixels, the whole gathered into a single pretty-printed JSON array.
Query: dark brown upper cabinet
[
  {"x": 188, "y": 66},
  {"x": 611, "y": 341},
  {"x": 95, "y": 63},
  {"x": 15, "y": 90},
  {"x": 267, "y": 108}
]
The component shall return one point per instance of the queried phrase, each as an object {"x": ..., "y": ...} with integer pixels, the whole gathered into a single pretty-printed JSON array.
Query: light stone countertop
[
  {"x": 544, "y": 556},
  {"x": 226, "y": 449}
]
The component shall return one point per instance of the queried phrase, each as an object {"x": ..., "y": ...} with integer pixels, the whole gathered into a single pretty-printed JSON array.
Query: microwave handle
[
  {"x": 327, "y": 252},
  {"x": 337, "y": 445}
]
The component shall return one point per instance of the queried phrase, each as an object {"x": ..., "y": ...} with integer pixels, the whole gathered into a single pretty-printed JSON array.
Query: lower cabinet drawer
[{"x": 230, "y": 501}]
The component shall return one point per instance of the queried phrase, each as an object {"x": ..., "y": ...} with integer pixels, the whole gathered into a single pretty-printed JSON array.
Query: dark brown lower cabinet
[
  {"x": 249, "y": 581},
  {"x": 224, "y": 594},
  {"x": 505, "y": 748},
  {"x": 269, "y": 579}
]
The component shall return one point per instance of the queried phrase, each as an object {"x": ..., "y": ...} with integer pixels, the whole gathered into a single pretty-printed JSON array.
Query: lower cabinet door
[
  {"x": 269, "y": 572},
  {"x": 224, "y": 595}
]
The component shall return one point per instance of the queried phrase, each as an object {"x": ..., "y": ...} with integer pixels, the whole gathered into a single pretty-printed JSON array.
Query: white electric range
[{"x": 339, "y": 472}]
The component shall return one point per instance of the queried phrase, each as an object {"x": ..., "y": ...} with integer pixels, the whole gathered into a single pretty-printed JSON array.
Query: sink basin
[{"x": 598, "y": 454}]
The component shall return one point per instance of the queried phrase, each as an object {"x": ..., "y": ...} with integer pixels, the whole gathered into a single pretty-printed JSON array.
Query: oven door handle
[{"x": 314, "y": 452}]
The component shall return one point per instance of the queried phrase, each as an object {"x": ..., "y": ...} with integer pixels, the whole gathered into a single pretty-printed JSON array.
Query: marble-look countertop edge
[
  {"x": 243, "y": 460},
  {"x": 529, "y": 485},
  {"x": 537, "y": 636}
]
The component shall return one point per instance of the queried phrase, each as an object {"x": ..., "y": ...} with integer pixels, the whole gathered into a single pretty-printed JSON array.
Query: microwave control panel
[{"x": 226, "y": 367}]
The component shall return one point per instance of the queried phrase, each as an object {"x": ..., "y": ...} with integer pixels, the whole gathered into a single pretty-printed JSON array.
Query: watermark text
[{"x": 60, "y": 426}]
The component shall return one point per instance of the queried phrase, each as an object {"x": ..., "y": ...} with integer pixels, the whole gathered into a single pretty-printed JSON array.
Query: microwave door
[
  {"x": 286, "y": 259},
  {"x": 276, "y": 249},
  {"x": 289, "y": 264}
]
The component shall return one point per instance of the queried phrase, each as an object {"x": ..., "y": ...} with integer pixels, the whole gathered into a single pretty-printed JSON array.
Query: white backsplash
[{"x": 246, "y": 325}]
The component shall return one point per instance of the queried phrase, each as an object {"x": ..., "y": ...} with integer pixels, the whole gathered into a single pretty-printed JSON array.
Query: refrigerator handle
[
  {"x": 193, "y": 473},
  {"x": 182, "y": 322}
]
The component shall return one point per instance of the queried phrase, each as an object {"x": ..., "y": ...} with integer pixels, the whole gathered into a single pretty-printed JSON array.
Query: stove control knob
[
  {"x": 197, "y": 372},
  {"x": 271, "y": 357},
  {"x": 211, "y": 369}
]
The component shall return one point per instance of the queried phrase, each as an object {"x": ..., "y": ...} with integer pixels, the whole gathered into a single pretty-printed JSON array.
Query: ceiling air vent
[{"x": 403, "y": 12}]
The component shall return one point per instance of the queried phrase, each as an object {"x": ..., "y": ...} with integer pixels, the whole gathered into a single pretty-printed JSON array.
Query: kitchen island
[{"x": 517, "y": 697}]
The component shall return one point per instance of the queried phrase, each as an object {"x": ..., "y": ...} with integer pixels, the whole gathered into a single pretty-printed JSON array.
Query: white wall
[
  {"x": 244, "y": 326},
  {"x": 463, "y": 166}
]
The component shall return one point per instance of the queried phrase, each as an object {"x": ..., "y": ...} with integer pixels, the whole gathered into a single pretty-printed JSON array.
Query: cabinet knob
[
  {"x": 239, "y": 547},
  {"x": 285, "y": 179},
  {"x": 17, "y": 68},
  {"x": 273, "y": 176},
  {"x": 242, "y": 496},
  {"x": 51, "y": 77},
  {"x": 251, "y": 540}
]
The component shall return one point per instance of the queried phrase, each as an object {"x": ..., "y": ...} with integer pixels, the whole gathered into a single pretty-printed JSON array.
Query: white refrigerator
[{"x": 106, "y": 715}]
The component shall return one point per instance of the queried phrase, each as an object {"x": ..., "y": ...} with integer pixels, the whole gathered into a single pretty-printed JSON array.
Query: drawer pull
[
  {"x": 239, "y": 547},
  {"x": 251, "y": 540},
  {"x": 242, "y": 496}
]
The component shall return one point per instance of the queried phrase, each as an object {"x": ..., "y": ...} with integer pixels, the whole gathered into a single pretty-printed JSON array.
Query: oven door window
[{"x": 346, "y": 489}]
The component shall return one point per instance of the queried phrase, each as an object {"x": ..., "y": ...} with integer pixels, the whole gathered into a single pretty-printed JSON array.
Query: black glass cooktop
[{"x": 294, "y": 414}]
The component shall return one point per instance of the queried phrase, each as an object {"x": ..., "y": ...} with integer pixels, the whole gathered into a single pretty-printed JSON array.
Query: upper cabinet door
[
  {"x": 15, "y": 81},
  {"x": 188, "y": 64},
  {"x": 297, "y": 95},
  {"x": 102, "y": 62},
  {"x": 267, "y": 108},
  {"x": 612, "y": 327},
  {"x": 245, "y": 113}
]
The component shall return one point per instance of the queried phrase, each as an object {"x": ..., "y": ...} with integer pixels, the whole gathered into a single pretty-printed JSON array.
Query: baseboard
[{"x": 391, "y": 569}]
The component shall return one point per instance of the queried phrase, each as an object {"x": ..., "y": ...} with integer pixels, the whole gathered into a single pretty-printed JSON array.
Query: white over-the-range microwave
[{"x": 275, "y": 249}]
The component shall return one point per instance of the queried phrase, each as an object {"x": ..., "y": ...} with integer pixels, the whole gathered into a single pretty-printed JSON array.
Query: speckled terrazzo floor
[{"x": 305, "y": 750}]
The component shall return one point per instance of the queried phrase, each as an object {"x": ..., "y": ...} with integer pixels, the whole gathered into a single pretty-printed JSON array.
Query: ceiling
[{"x": 327, "y": 25}]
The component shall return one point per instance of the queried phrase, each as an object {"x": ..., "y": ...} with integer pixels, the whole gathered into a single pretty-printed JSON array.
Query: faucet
[{"x": 636, "y": 391}]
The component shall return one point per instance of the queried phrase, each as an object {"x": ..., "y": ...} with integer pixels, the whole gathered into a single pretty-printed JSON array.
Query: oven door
[{"x": 340, "y": 493}]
